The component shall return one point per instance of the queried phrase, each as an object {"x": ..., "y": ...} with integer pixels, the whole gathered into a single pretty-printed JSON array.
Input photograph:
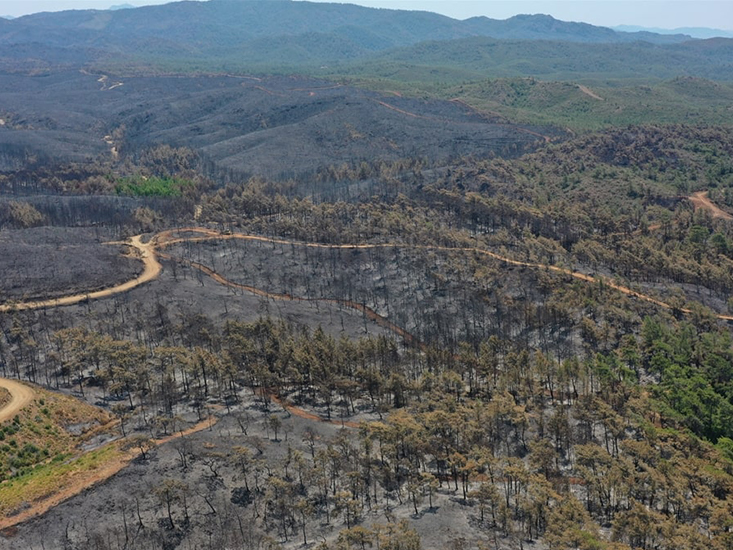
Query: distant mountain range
[
  {"x": 695, "y": 32},
  {"x": 233, "y": 22},
  {"x": 281, "y": 36},
  {"x": 273, "y": 32}
]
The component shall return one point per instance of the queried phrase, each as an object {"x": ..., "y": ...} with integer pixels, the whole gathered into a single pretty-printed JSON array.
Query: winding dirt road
[
  {"x": 20, "y": 396},
  {"x": 167, "y": 238},
  {"x": 152, "y": 270},
  {"x": 149, "y": 252}
]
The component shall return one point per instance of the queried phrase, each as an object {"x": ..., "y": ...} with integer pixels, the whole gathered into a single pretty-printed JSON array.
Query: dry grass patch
[
  {"x": 51, "y": 428},
  {"x": 41, "y": 454},
  {"x": 53, "y": 479}
]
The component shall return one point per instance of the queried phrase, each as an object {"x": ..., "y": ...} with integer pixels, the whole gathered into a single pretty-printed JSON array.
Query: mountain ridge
[
  {"x": 207, "y": 31},
  {"x": 481, "y": 57},
  {"x": 695, "y": 32}
]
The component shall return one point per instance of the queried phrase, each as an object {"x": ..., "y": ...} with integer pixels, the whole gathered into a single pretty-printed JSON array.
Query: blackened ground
[
  {"x": 47, "y": 262},
  {"x": 273, "y": 126}
]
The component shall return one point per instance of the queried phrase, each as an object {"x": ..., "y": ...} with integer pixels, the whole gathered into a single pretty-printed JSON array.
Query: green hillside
[
  {"x": 277, "y": 35},
  {"x": 681, "y": 100},
  {"x": 577, "y": 105},
  {"x": 480, "y": 57}
]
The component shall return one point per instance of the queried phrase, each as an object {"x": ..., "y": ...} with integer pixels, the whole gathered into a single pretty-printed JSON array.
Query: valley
[{"x": 234, "y": 123}]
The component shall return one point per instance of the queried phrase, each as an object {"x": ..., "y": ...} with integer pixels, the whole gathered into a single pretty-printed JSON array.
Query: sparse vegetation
[
  {"x": 582, "y": 349},
  {"x": 51, "y": 477},
  {"x": 44, "y": 431}
]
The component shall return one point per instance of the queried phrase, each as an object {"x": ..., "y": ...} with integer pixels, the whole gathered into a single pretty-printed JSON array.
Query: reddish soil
[
  {"x": 700, "y": 200},
  {"x": 302, "y": 413}
]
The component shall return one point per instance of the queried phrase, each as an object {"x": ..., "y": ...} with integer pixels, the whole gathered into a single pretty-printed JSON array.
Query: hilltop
[{"x": 232, "y": 35}]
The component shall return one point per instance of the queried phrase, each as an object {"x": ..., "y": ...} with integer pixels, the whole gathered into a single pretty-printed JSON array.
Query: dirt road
[
  {"x": 152, "y": 269},
  {"x": 701, "y": 200},
  {"x": 150, "y": 251},
  {"x": 89, "y": 478},
  {"x": 20, "y": 396},
  {"x": 167, "y": 238},
  {"x": 587, "y": 91}
]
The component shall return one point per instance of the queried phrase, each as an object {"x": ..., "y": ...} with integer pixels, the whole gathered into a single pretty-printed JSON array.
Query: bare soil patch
[
  {"x": 700, "y": 200},
  {"x": 4, "y": 397},
  {"x": 587, "y": 91},
  {"x": 19, "y": 396}
]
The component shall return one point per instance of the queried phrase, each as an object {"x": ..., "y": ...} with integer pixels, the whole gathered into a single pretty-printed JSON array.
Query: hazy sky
[{"x": 649, "y": 13}]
